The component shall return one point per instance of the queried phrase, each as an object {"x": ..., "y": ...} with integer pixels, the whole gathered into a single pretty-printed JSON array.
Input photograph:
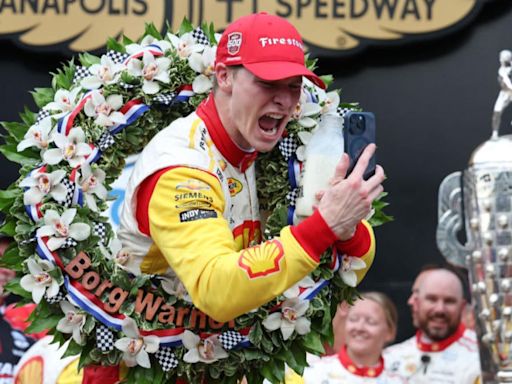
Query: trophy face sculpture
[{"x": 479, "y": 199}]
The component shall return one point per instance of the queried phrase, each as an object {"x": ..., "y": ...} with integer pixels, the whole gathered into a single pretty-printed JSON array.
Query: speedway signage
[{"x": 330, "y": 26}]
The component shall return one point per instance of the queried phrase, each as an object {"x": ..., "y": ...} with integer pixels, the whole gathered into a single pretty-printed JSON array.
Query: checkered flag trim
[
  {"x": 117, "y": 57},
  {"x": 342, "y": 112},
  {"x": 292, "y": 196},
  {"x": 288, "y": 146},
  {"x": 230, "y": 339},
  {"x": 70, "y": 242},
  {"x": 200, "y": 36},
  {"x": 55, "y": 299},
  {"x": 81, "y": 72},
  {"x": 166, "y": 358},
  {"x": 104, "y": 338},
  {"x": 106, "y": 140},
  {"x": 100, "y": 230},
  {"x": 42, "y": 114},
  {"x": 70, "y": 191},
  {"x": 165, "y": 98}
]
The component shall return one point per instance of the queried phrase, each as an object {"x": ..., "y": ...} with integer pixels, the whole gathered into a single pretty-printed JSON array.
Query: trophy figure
[{"x": 479, "y": 199}]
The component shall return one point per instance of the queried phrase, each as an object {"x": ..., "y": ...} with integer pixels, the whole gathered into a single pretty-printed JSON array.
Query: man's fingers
[
  {"x": 377, "y": 178},
  {"x": 362, "y": 162},
  {"x": 341, "y": 169}
]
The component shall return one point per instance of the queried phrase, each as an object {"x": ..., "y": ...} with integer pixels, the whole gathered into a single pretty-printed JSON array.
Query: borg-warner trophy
[{"x": 480, "y": 199}]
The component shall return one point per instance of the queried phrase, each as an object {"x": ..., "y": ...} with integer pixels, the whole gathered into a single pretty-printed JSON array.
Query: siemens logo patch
[{"x": 197, "y": 214}]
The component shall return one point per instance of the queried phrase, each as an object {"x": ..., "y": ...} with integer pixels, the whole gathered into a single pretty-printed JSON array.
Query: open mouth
[{"x": 270, "y": 122}]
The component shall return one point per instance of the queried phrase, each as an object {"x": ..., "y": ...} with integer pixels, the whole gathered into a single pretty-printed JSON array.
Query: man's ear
[{"x": 224, "y": 77}]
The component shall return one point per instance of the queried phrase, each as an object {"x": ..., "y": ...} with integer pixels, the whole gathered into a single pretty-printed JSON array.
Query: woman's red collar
[
  {"x": 350, "y": 366},
  {"x": 436, "y": 346},
  {"x": 236, "y": 156}
]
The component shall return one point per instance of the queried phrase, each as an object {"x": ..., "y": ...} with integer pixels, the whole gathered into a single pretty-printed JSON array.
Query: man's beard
[{"x": 435, "y": 333}]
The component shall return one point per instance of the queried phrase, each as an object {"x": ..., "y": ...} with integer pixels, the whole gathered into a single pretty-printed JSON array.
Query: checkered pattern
[
  {"x": 106, "y": 140},
  {"x": 55, "y": 299},
  {"x": 200, "y": 36},
  {"x": 230, "y": 339},
  {"x": 28, "y": 241},
  {"x": 100, "y": 230},
  {"x": 81, "y": 72},
  {"x": 126, "y": 85},
  {"x": 292, "y": 196},
  {"x": 166, "y": 358},
  {"x": 342, "y": 112},
  {"x": 70, "y": 242},
  {"x": 43, "y": 113},
  {"x": 288, "y": 146},
  {"x": 104, "y": 338},
  {"x": 165, "y": 98},
  {"x": 117, "y": 57},
  {"x": 70, "y": 191}
]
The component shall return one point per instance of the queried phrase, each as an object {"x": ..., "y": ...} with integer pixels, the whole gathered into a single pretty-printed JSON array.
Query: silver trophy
[{"x": 479, "y": 199}]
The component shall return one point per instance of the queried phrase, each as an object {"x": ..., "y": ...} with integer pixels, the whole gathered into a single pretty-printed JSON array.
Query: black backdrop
[{"x": 433, "y": 101}]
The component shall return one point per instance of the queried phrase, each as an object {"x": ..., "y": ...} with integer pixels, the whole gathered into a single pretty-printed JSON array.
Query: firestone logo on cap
[{"x": 234, "y": 42}]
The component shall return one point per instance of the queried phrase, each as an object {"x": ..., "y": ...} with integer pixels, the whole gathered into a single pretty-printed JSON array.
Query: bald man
[{"x": 443, "y": 350}]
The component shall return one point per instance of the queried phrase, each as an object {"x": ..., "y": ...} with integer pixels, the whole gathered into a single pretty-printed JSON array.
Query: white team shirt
[{"x": 454, "y": 360}]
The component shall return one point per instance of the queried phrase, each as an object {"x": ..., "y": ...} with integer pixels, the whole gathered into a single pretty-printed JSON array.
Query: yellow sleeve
[
  {"x": 198, "y": 244},
  {"x": 70, "y": 374}
]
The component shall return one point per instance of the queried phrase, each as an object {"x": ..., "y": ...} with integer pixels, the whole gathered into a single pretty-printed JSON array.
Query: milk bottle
[{"x": 323, "y": 153}]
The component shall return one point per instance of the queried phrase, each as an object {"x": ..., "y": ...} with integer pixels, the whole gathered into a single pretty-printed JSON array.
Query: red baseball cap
[{"x": 266, "y": 45}]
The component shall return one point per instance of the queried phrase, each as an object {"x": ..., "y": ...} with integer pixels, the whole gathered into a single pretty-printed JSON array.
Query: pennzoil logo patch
[
  {"x": 235, "y": 186},
  {"x": 336, "y": 26},
  {"x": 197, "y": 214}
]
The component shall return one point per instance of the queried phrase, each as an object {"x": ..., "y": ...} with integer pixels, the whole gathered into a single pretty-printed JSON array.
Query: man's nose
[{"x": 285, "y": 97}]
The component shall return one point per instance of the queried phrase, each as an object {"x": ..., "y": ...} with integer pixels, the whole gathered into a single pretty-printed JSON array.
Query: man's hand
[{"x": 349, "y": 200}]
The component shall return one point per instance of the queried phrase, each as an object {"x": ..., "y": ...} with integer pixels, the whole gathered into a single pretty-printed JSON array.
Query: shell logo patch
[
  {"x": 235, "y": 186},
  {"x": 262, "y": 260},
  {"x": 31, "y": 371}
]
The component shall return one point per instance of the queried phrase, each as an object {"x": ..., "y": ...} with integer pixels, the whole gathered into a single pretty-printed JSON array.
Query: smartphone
[{"x": 359, "y": 131}]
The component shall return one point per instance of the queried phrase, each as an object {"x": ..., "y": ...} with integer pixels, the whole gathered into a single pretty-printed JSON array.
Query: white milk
[{"x": 323, "y": 153}]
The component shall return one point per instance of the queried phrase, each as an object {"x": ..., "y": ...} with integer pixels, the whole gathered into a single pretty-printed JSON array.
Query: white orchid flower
[
  {"x": 204, "y": 64},
  {"x": 71, "y": 148},
  {"x": 39, "y": 280},
  {"x": 135, "y": 347},
  {"x": 105, "y": 110},
  {"x": 174, "y": 286},
  {"x": 185, "y": 45},
  {"x": 304, "y": 109},
  {"x": 294, "y": 291},
  {"x": 147, "y": 41},
  {"x": 91, "y": 183},
  {"x": 59, "y": 228},
  {"x": 107, "y": 72},
  {"x": 38, "y": 135},
  {"x": 349, "y": 264},
  {"x": 40, "y": 184},
  {"x": 123, "y": 257},
  {"x": 290, "y": 319},
  {"x": 63, "y": 102},
  {"x": 329, "y": 102},
  {"x": 206, "y": 351},
  {"x": 152, "y": 69},
  {"x": 72, "y": 322}
]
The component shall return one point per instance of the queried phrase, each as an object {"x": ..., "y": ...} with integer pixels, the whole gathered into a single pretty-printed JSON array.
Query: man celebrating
[
  {"x": 443, "y": 350},
  {"x": 180, "y": 216}
]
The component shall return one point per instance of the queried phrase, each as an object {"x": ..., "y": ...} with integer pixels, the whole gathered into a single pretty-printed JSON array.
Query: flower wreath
[{"x": 69, "y": 261}]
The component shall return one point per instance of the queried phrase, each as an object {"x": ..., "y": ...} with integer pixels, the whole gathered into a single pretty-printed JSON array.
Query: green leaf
[
  {"x": 28, "y": 117},
  {"x": 152, "y": 31},
  {"x": 186, "y": 26},
  {"x": 26, "y": 157},
  {"x": 11, "y": 258},
  {"x": 7, "y": 198},
  {"x": 15, "y": 287},
  {"x": 313, "y": 343},
  {"x": 113, "y": 44},
  {"x": 9, "y": 228},
  {"x": 43, "y": 96},
  {"x": 86, "y": 59},
  {"x": 42, "y": 323},
  {"x": 127, "y": 41},
  {"x": 15, "y": 129}
]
